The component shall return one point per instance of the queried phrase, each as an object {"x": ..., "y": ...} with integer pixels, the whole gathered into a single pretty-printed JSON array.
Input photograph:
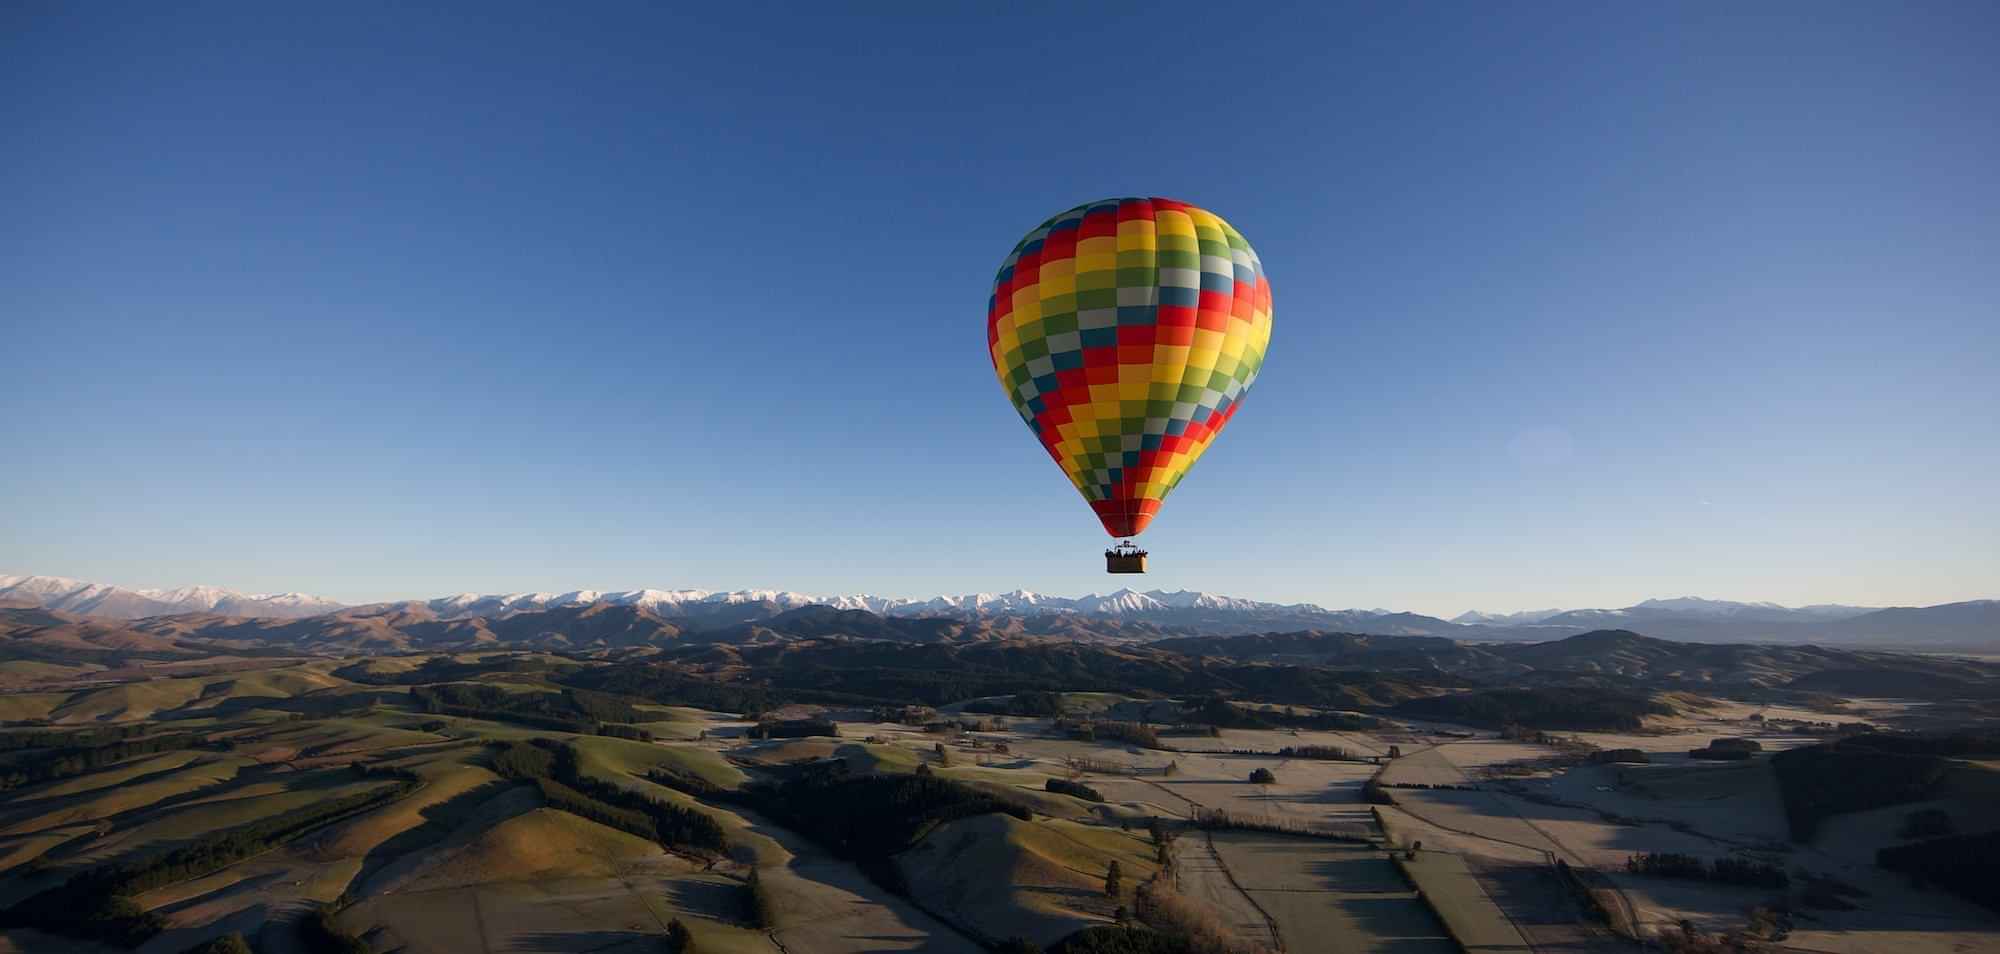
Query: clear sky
[{"x": 1576, "y": 304}]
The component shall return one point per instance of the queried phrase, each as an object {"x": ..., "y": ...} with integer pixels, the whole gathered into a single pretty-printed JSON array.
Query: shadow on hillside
[
  {"x": 1530, "y": 894},
  {"x": 1359, "y": 871},
  {"x": 439, "y": 822},
  {"x": 223, "y": 790},
  {"x": 578, "y": 942},
  {"x": 894, "y": 942},
  {"x": 724, "y": 901},
  {"x": 185, "y": 938}
]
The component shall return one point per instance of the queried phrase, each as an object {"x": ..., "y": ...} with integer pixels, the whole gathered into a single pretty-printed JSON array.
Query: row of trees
[
  {"x": 562, "y": 797},
  {"x": 1727, "y": 870},
  {"x": 33, "y": 768},
  {"x": 1330, "y": 753},
  {"x": 552, "y": 767},
  {"x": 581, "y": 711},
  {"x": 1063, "y": 786},
  {"x": 15, "y": 740},
  {"x": 1218, "y": 711},
  {"x": 794, "y": 729},
  {"x": 1133, "y": 733}
]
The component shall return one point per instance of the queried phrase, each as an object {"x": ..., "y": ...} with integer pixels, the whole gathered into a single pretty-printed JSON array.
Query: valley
[{"x": 833, "y": 780}]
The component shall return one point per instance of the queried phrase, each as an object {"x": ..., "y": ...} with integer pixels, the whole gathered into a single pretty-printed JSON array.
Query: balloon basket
[{"x": 1125, "y": 558}]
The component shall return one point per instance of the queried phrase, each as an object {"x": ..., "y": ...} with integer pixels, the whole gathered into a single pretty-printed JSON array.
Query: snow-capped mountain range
[
  {"x": 1018, "y": 602},
  {"x": 105, "y": 600},
  {"x": 1181, "y": 611},
  {"x": 115, "y": 602}
]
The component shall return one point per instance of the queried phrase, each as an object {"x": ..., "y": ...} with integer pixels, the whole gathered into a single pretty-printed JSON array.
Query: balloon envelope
[{"x": 1126, "y": 332}]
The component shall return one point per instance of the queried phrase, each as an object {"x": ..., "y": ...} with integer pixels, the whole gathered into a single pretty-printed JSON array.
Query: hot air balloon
[{"x": 1126, "y": 333}]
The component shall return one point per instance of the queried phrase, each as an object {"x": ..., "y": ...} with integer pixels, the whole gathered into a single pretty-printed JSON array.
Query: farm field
[
  {"x": 1469, "y": 913},
  {"x": 1330, "y": 895}
]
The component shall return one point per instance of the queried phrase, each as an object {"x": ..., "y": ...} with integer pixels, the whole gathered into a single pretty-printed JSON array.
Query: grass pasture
[
  {"x": 118, "y": 774},
  {"x": 1329, "y": 895},
  {"x": 1464, "y": 907},
  {"x": 98, "y": 803},
  {"x": 608, "y": 758},
  {"x": 537, "y": 845},
  {"x": 30, "y": 706},
  {"x": 1002, "y": 876}
]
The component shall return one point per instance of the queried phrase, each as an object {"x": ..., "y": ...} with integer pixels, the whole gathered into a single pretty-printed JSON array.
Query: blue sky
[{"x": 1575, "y": 304}]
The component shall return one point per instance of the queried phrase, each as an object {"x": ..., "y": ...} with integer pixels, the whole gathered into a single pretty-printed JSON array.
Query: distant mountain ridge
[
  {"x": 1122, "y": 614},
  {"x": 114, "y": 602},
  {"x": 1019, "y": 602}
]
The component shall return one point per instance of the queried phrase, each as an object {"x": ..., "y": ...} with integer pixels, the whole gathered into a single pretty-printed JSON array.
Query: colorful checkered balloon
[{"x": 1126, "y": 332}]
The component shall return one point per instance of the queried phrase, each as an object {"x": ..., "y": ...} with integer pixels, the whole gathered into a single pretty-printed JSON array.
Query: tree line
[
  {"x": 1965, "y": 865},
  {"x": 1832, "y": 778},
  {"x": 580, "y": 711},
  {"x": 552, "y": 767},
  {"x": 1726, "y": 870},
  {"x": 1063, "y": 786},
  {"x": 32, "y": 768},
  {"x": 1573, "y": 707}
]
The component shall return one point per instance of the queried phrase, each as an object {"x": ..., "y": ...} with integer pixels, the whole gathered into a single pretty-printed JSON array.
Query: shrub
[
  {"x": 1262, "y": 776},
  {"x": 677, "y": 939}
]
